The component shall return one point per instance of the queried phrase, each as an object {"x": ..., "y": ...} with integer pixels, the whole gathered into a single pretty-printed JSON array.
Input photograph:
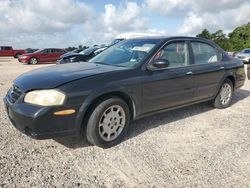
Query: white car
[
  {"x": 244, "y": 55},
  {"x": 126, "y": 36}
]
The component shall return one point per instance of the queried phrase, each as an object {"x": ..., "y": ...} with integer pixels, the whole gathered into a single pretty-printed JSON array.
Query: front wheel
[
  {"x": 33, "y": 61},
  {"x": 225, "y": 95},
  {"x": 108, "y": 122}
]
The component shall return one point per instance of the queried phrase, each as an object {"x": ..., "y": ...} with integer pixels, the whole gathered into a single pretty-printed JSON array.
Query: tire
[
  {"x": 225, "y": 95},
  {"x": 108, "y": 122},
  {"x": 33, "y": 61}
]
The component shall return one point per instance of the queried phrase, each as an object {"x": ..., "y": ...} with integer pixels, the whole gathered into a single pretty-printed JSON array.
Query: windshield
[
  {"x": 89, "y": 50},
  {"x": 38, "y": 51},
  {"x": 127, "y": 53}
]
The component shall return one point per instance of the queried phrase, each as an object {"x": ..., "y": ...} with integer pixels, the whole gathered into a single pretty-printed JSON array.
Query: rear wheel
[
  {"x": 108, "y": 122},
  {"x": 33, "y": 61},
  {"x": 225, "y": 95}
]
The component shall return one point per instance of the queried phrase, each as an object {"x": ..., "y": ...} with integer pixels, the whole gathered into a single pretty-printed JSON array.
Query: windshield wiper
[
  {"x": 102, "y": 63},
  {"x": 115, "y": 65}
]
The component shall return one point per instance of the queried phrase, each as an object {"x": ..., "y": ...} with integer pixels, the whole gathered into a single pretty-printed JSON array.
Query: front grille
[{"x": 14, "y": 94}]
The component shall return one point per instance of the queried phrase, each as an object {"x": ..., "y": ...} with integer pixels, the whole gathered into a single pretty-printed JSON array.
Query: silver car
[{"x": 244, "y": 55}]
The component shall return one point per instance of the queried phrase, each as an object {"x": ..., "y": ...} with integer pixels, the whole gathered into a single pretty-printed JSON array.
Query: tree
[
  {"x": 237, "y": 40},
  {"x": 204, "y": 34},
  {"x": 240, "y": 37}
]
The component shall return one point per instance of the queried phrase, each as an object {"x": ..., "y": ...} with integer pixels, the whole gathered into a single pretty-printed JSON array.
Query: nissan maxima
[{"x": 130, "y": 80}]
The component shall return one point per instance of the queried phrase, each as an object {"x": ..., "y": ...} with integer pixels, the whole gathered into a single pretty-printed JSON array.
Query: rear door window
[{"x": 205, "y": 53}]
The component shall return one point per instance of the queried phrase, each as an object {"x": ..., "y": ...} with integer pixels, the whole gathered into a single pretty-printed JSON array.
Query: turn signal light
[{"x": 65, "y": 112}]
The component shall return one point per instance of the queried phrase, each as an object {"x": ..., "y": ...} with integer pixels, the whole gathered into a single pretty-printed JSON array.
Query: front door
[{"x": 171, "y": 86}]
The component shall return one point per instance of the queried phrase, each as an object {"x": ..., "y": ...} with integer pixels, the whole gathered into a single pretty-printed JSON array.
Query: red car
[
  {"x": 8, "y": 51},
  {"x": 48, "y": 55}
]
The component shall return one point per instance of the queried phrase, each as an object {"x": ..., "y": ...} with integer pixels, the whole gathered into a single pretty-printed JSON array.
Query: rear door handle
[
  {"x": 189, "y": 73},
  {"x": 222, "y": 68}
]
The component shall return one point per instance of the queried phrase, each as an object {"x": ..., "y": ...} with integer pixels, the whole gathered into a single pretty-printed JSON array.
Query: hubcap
[
  {"x": 33, "y": 61},
  {"x": 112, "y": 123},
  {"x": 225, "y": 94}
]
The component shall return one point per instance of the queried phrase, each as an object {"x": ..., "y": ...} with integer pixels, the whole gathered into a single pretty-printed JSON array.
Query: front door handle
[
  {"x": 189, "y": 73},
  {"x": 222, "y": 68}
]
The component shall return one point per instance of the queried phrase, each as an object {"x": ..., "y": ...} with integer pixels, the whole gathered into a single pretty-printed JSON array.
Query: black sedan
[
  {"x": 84, "y": 55},
  {"x": 130, "y": 80}
]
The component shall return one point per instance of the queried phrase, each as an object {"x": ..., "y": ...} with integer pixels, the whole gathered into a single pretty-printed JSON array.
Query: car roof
[{"x": 170, "y": 37}]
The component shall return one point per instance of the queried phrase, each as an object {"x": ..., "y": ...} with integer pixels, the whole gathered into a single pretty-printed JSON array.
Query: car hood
[
  {"x": 54, "y": 76},
  {"x": 29, "y": 54},
  {"x": 68, "y": 54}
]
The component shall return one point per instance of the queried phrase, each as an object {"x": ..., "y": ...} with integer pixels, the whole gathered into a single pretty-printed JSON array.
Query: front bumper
[
  {"x": 245, "y": 60},
  {"x": 26, "y": 61},
  {"x": 40, "y": 122}
]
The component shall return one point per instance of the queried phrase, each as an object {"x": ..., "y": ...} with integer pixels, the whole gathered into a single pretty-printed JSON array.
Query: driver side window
[{"x": 176, "y": 53}]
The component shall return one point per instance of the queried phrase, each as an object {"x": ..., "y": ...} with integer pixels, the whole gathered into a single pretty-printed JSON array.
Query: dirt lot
[{"x": 197, "y": 146}]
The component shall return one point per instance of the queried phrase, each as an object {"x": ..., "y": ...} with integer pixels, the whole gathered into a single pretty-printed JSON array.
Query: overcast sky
[{"x": 63, "y": 23}]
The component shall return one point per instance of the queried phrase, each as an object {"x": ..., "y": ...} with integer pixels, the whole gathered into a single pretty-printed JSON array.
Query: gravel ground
[{"x": 197, "y": 146}]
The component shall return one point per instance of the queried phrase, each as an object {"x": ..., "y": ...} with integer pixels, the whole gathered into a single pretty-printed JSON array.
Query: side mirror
[{"x": 160, "y": 63}]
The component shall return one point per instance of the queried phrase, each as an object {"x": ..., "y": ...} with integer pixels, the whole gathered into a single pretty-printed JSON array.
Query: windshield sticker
[{"x": 141, "y": 48}]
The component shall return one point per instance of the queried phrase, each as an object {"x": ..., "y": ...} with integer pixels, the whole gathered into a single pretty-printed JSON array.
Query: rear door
[
  {"x": 208, "y": 69},
  {"x": 44, "y": 55},
  {"x": 171, "y": 86},
  {"x": 56, "y": 53},
  {"x": 51, "y": 55}
]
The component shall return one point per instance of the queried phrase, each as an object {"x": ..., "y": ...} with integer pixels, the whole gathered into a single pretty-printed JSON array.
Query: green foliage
[
  {"x": 204, "y": 34},
  {"x": 73, "y": 48},
  {"x": 235, "y": 41}
]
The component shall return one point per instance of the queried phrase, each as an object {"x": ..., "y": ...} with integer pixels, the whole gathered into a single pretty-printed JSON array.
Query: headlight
[
  {"x": 48, "y": 97},
  {"x": 72, "y": 59}
]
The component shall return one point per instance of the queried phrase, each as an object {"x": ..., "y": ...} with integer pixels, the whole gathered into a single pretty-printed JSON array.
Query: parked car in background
[
  {"x": 48, "y": 55},
  {"x": 9, "y": 51},
  {"x": 126, "y": 36},
  {"x": 76, "y": 51},
  {"x": 232, "y": 54},
  {"x": 244, "y": 55},
  {"x": 84, "y": 55},
  {"x": 127, "y": 81}
]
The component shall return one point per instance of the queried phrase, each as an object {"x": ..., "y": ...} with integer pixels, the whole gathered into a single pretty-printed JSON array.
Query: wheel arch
[
  {"x": 34, "y": 57},
  {"x": 229, "y": 76},
  {"x": 96, "y": 100},
  {"x": 232, "y": 79}
]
